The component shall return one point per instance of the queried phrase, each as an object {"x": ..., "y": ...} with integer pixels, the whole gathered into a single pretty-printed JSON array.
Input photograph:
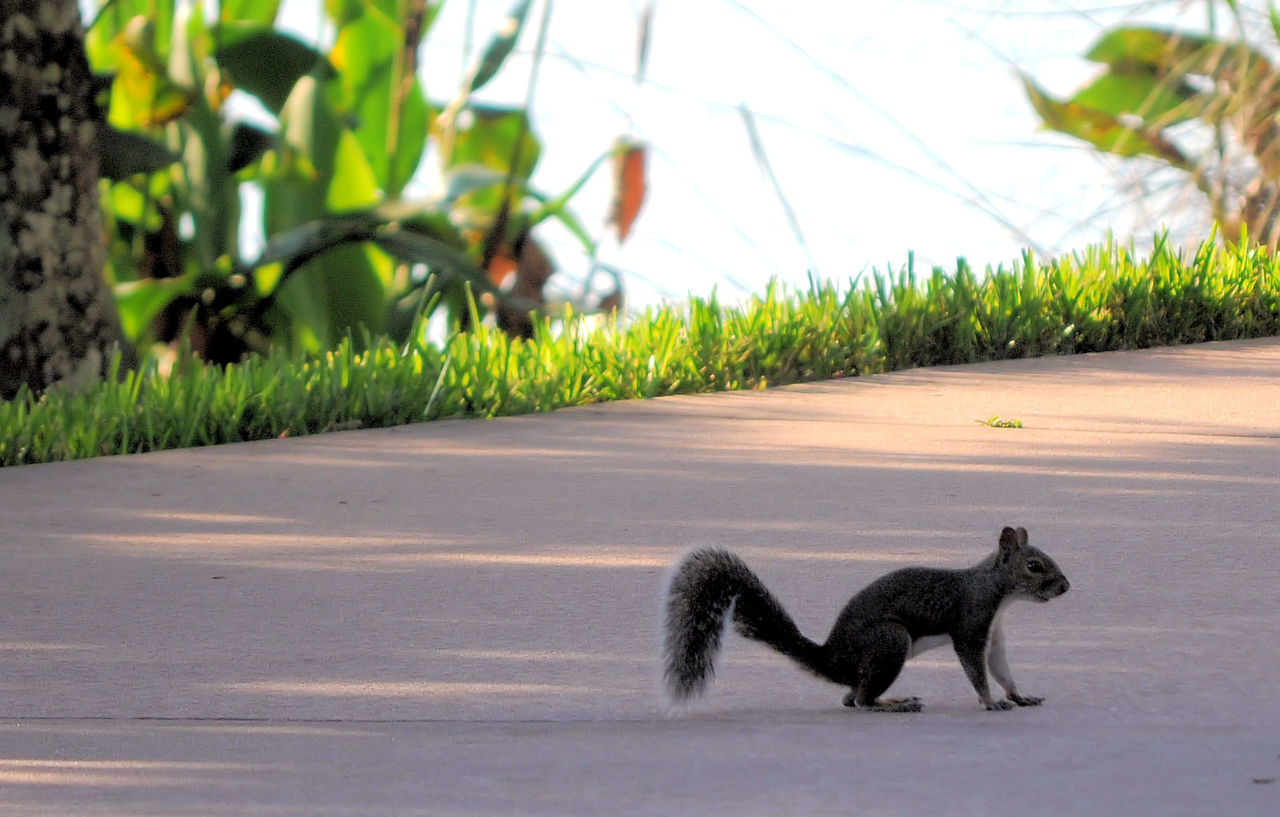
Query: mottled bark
[{"x": 58, "y": 322}]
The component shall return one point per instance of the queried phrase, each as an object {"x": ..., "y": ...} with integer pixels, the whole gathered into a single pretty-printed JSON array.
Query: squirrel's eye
[{"x": 1035, "y": 566}]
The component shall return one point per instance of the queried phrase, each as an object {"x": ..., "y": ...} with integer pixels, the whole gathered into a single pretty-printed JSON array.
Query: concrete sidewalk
[{"x": 459, "y": 618}]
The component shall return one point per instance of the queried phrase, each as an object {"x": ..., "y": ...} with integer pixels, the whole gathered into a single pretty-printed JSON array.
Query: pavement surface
[{"x": 460, "y": 618}]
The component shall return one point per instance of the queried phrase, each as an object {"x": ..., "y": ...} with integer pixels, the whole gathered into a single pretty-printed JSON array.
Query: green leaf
[
  {"x": 500, "y": 47},
  {"x": 127, "y": 203},
  {"x": 558, "y": 208},
  {"x": 410, "y": 140},
  {"x": 1142, "y": 95},
  {"x": 248, "y": 11},
  {"x": 415, "y": 247},
  {"x": 122, "y": 154},
  {"x": 297, "y": 245},
  {"x": 1149, "y": 47},
  {"x": 143, "y": 94},
  {"x": 248, "y": 143},
  {"x": 494, "y": 138},
  {"x": 112, "y": 20},
  {"x": 334, "y": 296},
  {"x": 354, "y": 185},
  {"x": 362, "y": 54},
  {"x": 1166, "y": 52},
  {"x": 266, "y": 63},
  {"x": 190, "y": 45},
  {"x": 464, "y": 179},
  {"x": 335, "y": 280},
  {"x": 555, "y": 206},
  {"x": 571, "y": 223},
  {"x": 141, "y": 301},
  {"x": 309, "y": 129},
  {"x": 343, "y": 12},
  {"x": 342, "y": 286},
  {"x": 1100, "y": 129},
  {"x": 424, "y": 217},
  {"x": 392, "y": 118}
]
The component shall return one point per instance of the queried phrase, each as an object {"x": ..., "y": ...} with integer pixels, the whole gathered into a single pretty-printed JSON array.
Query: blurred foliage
[
  {"x": 347, "y": 250},
  {"x": 1205, "y": 104}
]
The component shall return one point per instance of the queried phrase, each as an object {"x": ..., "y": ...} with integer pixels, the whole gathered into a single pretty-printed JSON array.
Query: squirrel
[{"x": 896, "y": 617}]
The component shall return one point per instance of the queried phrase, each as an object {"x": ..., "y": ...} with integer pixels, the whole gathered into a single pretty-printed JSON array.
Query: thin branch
[
  {"x": 934, "y": 157},
  {"x": 762, "y": 158}
]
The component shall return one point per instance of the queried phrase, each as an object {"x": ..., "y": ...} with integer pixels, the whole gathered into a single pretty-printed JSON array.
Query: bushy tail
[{"x": 704, "y": 587}]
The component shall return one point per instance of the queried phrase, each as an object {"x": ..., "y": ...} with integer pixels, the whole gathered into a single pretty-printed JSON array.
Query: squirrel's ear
[
  {"x": 1009, "y": 540},
  {"x": 1022, "y": 537}
]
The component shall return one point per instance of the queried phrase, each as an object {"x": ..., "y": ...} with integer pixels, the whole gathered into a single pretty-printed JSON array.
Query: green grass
[{"x": 1100, "y": 299}]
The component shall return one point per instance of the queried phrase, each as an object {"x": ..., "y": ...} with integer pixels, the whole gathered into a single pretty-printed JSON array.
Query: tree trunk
[{"x": 58, "y": 322}]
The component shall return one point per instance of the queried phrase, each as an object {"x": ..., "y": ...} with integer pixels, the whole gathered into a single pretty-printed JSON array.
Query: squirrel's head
[{"x": 1035, "y": 576}]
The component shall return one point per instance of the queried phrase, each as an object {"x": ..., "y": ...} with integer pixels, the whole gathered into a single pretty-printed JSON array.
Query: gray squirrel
[{"x": 894, "y": 618}]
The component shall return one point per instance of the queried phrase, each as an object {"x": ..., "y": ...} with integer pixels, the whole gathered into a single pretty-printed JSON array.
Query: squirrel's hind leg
[{"x": 882, "y": 650}]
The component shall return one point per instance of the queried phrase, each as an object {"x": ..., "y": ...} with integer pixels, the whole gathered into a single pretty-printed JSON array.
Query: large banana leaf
[
  {"x": 267, "y": 63},
  {"x": 320, "y": 169},
  {"x": 389, "y": 107}
]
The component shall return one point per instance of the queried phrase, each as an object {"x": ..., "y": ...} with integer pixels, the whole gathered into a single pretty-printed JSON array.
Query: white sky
[{"x": 891, "y": 126}]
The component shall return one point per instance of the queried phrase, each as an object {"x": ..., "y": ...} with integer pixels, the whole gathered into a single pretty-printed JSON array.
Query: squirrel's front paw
[
  {"x": 998, "y": 706},
  {"x": 1025, "y": 700}
]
